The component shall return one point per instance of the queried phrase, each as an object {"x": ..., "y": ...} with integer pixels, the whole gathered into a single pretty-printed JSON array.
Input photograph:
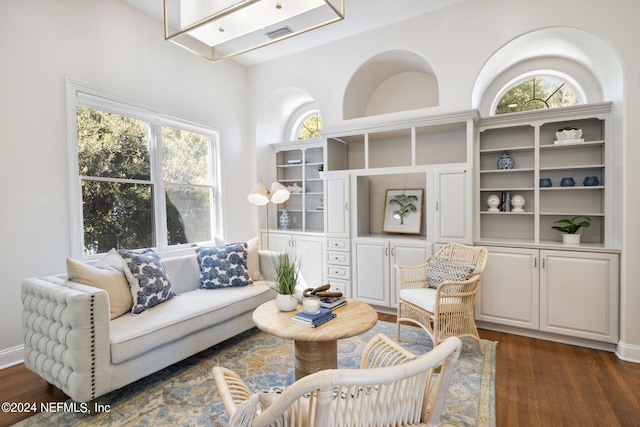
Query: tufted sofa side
[{"x": 66, "y": 335}]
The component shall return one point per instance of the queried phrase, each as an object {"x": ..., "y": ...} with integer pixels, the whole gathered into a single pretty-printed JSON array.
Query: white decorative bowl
[{"x": 569, "y": 134}]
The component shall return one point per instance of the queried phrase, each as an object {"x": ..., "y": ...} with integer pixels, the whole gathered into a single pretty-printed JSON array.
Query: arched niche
[
  {"x": 390, "y": 82},
  {"x": 574, "y": 52}
]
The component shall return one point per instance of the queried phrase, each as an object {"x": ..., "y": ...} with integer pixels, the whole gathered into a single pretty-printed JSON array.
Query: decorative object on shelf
[
  {"x": 199, "y": 27},
  {"x": 321, "y": 206},
  {"x": 260, "y": 196},
  {"x": 294, "y": 162},
  {"x": 505, "y": 161},
  {"x": 591, "y": 181},
  {"x": 545, "y": 182},
  {"x": 570, "y": 228},
  {"x": 285, "y": 220},
  {"x": 321, "y": 167},
  {"x": 403, "y": 211},
  {"x": 493, "y": 201},
  {"x": 517, "y": 203},
  {"x": 287, "y": 272},
  {"x": 568, "y": 134},
  {"x": 567, "y": 182},
  {"x": 507, "y": 201},
  {"x": 503, "y": 199},
  {"x": 295, "y": 188}
]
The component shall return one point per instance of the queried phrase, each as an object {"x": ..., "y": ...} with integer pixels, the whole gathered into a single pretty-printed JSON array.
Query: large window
[
  {"x": 535, "y": 93},
  {"x": 145, "y": 180}
]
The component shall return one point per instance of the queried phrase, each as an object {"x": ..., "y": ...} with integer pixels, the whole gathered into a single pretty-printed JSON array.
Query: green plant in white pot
[
  {"x": 570, "y": 228},
  {"x": 287, "y": 271}
]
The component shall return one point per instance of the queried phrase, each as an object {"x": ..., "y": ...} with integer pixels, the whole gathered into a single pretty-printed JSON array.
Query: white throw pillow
[{"x": 106, "y": 274}]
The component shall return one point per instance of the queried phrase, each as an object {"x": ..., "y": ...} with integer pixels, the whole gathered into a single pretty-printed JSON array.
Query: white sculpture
[
  {"x": 517, "y": 203},
  {"x": 493, "y": 201}
]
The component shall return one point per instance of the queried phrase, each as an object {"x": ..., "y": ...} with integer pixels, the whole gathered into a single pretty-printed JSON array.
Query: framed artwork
[{"x": 403, "y": 211}]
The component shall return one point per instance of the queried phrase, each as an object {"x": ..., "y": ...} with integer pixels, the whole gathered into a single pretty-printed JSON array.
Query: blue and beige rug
[{"x": 185, "y": 394}]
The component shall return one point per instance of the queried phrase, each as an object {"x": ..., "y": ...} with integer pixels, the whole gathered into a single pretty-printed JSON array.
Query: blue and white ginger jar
[
  {"x": 505, "y": 161},
  {"x": 285, "y": 220}
]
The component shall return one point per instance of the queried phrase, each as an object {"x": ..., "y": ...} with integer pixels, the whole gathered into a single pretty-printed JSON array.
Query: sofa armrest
[{"x": 66, "y": 335}]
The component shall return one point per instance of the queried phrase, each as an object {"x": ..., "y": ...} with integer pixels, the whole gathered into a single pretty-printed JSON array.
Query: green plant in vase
[
  {"x": 287, "y": 272},
  {"x": 571, "y": 226}
]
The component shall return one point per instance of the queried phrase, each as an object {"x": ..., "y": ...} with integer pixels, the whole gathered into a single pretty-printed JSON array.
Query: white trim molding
[
  {"x": 11, "y": 356},
  {"x": 628, "y": 352}
]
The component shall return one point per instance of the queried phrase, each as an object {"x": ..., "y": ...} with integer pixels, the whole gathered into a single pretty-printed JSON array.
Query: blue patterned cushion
[
  {"x": 223, "y": 266},
  {"x": 147, "y": 279},
  {"x": 440, "y": 270}
]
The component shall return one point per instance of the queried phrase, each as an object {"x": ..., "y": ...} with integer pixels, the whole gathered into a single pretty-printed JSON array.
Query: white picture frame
[{"x": 403, "y": 211}]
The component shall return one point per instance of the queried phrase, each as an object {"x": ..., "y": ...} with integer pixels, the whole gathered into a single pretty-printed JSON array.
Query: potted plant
[
  {"x": 287, "y": 272},
  {"x": 571, "y": 226}
]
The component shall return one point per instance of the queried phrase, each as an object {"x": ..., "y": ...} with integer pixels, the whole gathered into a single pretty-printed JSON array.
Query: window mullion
[{"x": 159, "y": 195}]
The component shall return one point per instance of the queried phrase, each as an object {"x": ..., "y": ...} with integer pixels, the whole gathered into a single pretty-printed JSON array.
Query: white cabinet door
[
  {"x": 310, "y": 250},
  {"x": 371, "y": 271},
  {"x": 579, "y": 294},
  {"x": 508, "y": 292},
  {"x": 453, "y": 219},
  {"x": 405, "y": 253},
  {"x": 336, "y": 205}
]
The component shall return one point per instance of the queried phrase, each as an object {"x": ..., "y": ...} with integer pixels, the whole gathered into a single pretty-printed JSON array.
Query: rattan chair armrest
[{"x": 233, "y": 391}]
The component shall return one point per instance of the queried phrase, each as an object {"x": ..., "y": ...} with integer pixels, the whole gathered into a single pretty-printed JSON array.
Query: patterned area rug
[{"x": 185, "y": 394}]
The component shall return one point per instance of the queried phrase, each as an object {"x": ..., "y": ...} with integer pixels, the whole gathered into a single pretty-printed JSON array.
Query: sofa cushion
[
  {"x": 147, "y": 279},
  {"x": 440, "y": 270},
  {"x": 106, "y": 277},
  {"x": 188, "y": 313},
  {"x": 223, "y": 266}
]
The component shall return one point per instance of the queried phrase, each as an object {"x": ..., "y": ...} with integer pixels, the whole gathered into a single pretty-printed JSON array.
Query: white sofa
[{"x": 71, "y": 342}]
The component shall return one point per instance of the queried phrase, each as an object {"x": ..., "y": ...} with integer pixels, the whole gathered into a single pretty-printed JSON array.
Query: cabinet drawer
[
  {"x": 339, "y": 285},
  {"x": 338, "y": 244},
  {"x": 339, "y": 272},
  {"x": 341, "y": 258}
]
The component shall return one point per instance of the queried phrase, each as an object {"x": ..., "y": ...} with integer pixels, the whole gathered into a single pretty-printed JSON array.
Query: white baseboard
[
  {"x": 11, "y": 356},
  {"x": 628, "y": 352}
]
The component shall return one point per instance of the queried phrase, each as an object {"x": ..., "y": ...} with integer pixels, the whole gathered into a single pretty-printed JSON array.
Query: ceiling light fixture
[{"x": 215, "y": 30}]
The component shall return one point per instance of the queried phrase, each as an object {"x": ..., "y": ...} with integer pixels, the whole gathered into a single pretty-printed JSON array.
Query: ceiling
[{"x": 360, "y": 16}]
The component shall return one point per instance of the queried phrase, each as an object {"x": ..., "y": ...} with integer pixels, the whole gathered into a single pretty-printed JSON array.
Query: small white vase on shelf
[
  {"x": 286, "y": 302},
  {"x": 571, "y": 239}
]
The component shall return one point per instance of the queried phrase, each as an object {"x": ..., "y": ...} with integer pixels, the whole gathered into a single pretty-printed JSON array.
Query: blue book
[
  {"x": 309, "y": 318},
  {"x": 315, "y": 323}
]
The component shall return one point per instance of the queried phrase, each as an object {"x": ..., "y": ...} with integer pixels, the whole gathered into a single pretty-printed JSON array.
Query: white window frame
[{"x": 79, "y": 94}]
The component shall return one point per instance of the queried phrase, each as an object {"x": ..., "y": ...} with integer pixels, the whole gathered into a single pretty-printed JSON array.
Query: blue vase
[
  {"x": 285, "y": 220},
  {"x": 567, "y": 182},
  {"x": 505, "y": 161},
  {"x": 545, "y": 182},
  {"x": 591, "y": 181}
]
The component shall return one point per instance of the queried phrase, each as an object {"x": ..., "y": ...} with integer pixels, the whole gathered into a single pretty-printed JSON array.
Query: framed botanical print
[{"x": 403, "y": 211}]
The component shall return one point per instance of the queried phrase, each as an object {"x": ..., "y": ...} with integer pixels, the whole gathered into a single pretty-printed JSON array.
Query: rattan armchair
[
  {"x": 448, "y": 309},
  {"x": 392, "y": 387}
]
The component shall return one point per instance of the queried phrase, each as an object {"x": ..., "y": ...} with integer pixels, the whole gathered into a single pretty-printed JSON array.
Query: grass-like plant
[
  {"x": 571, "y": 225},
  {"x": 287, "y": 270}
]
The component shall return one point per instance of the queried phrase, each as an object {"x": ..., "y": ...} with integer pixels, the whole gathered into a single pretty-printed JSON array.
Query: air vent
[{"x": 280, "y": 32}]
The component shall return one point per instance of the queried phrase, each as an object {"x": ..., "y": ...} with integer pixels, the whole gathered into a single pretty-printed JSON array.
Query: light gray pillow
[{"x": 440, "y": 270}]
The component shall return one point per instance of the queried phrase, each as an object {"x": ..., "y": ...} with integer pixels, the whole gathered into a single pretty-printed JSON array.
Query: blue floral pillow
[
  {"x": 147, "y": 279},
  {"x": 223, "y": 266}
]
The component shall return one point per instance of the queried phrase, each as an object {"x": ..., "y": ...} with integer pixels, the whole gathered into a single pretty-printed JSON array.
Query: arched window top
[
  {"x": 536, "y": 92},
  {"x": 308, "y": 126}
]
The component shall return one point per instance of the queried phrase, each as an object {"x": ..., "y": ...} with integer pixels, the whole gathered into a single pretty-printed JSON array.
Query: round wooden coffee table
[{"x": 316, "y": 348}]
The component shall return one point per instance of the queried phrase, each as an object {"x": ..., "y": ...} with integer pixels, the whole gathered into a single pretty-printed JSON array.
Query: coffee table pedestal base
[{"x": 314, "y": 356}]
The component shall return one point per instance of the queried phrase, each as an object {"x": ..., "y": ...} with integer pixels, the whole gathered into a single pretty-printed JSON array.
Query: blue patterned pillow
[
  {"x": 223, "y": 266},
  {"x": 147, "y": 279}
]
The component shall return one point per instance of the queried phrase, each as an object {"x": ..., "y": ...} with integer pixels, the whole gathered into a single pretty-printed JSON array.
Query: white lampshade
[
  {"x": 259, "y": 195},
  {"x": 279, "y": 194}
]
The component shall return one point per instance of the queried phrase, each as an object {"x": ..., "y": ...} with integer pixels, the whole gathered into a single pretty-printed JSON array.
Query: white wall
[
  {"x": 457, "y": 42},
  {"x": 110, "y": 45}
]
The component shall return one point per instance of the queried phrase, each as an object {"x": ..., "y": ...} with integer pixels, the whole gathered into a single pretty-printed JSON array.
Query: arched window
[
  {"x": 308, "y": 126},
  {"x": 536, "y": 92}
]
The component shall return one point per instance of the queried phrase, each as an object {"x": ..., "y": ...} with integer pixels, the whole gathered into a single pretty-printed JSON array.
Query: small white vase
[
  {"x": 286, "y": 302},
  {"x": 571, "y": 239}
]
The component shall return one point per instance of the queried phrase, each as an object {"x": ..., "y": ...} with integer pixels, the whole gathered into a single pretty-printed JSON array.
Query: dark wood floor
[{"x": 538, "y": 383}]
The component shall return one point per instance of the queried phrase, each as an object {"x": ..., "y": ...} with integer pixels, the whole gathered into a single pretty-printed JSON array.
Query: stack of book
[
  {"x": 313, "y": 320},
  {"x": 333, "y": 302}
]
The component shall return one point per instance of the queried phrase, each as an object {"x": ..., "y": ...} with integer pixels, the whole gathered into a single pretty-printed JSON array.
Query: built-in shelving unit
[
  {"x": 530, "y": 140},
  {"x": 297, "y": 168}
]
